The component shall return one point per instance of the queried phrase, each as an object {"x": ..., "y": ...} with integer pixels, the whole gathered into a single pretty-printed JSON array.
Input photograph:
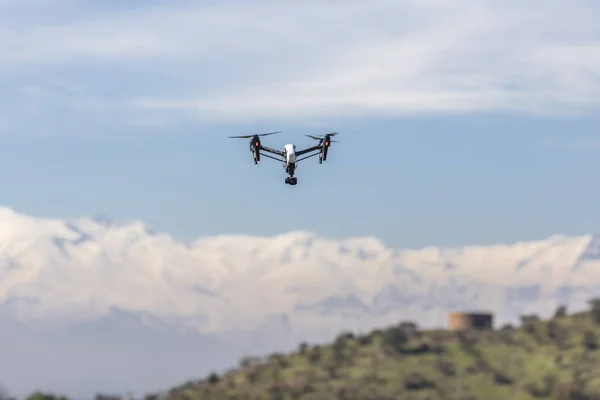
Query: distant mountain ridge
[{"x": 270, "y": 293}]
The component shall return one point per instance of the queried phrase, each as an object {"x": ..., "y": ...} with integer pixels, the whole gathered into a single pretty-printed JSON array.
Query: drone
[{"x": 289, "y": 155}]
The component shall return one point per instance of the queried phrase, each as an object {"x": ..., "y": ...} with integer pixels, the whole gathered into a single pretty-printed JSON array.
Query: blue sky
[{"x": 467, "y": 122}]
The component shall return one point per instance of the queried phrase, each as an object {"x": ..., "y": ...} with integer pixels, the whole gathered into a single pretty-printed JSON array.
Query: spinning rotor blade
[
  {"x": 323, "y": 137},
  {"x": 314, "y": 137},
  {"x": 256, "y": 134},
  {"x": 327, "y": 135}
]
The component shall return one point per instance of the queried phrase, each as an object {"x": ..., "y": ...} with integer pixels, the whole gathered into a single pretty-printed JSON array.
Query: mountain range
[{"x": 90, "y": 305}]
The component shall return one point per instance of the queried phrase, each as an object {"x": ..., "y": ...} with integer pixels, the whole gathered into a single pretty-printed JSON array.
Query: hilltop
[{"x": 555, "y": 359}]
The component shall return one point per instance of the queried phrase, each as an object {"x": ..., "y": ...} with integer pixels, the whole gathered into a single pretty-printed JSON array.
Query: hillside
[{"x": 556, "y": 359}]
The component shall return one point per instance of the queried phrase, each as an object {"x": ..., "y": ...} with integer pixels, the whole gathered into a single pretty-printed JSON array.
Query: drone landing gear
[{"x": 291, "y": 180}]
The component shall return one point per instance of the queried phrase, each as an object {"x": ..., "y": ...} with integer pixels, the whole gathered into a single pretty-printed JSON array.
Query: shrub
[
  {"x": 377, "y": 332},
  {"x": 345, "y": 336},
  {"x": 303, "y": 348},
  {"x": 467, "y": 340},
  {"x": 507, "y": 328},
  {"x": 563, "y": 391},
  {"x": 560, "y": 312},
  {"x": 417, "y": 381},
  {"x": 338, "y": 350},
  {"x": 365, "y": 340},
  {"x": 410, "y": 328},
  {"x": 249, "y": 361},
  {"x": 557, "y": 333},
  {"x": 446, "y": 367},
  {"x": 502, "y": 378},
  {"x": 590, "y": 340},
  {"x": 315, "y": 355},
  {"x": 595, "y": 309},
  {"x": 544, "y": 388},
  {"x": 214, "y": 378},
  {"x": 279, "y": 360},
  {"x": 395, "y": 338},
  {"x": 253, "y": 373},
  {"x": 529, "y": 323}
]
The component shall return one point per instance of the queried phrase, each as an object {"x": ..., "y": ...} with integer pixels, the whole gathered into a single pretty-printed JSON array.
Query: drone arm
[
  {"x": 308, "y": 150},
  {"x": 312, "y": 155},
  {"x": 271, "y": 157},
  {"x": 272, "y": 151}
]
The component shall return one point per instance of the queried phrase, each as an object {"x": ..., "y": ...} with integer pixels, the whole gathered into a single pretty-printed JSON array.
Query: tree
[
  {"x": 595, "y": 309},
  {"x": 214, "y": 378},
  {"x": 338, "y": 348},
  {"x": 303, "y": 348},
  {"x": 530, "y": 323},
  {"x": 418, "y": 381},
  {"x": 45, "y": 396},
  {"x": 279, "y": 360},
  {"x": 365, "y": 340},
  {"x": 346, "y": 335},
  {"x": 560, "y": 312},
  {"x": 590, "y": 341},
  {"x": 249, "y": 361},
  {"x": 411, "y": 328},
  {"x": 395, "y": 338},
  {"x": 315, "y": 355},
  {"x": 556, "y": 332}
]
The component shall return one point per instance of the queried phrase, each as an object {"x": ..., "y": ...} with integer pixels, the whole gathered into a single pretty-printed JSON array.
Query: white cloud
[{"x": 289, "y": 59}]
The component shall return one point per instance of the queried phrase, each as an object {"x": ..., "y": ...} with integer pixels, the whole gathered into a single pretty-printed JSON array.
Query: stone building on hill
[{"x": 460, "y": 321}]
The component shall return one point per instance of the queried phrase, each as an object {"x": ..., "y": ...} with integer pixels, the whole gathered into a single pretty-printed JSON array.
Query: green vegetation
[
  {"x": 556, "y": 359},
  {"x": 34, "y": 396}
]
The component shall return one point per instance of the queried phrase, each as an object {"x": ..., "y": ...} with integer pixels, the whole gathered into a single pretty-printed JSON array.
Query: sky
[{"x": 461, "y": 122}]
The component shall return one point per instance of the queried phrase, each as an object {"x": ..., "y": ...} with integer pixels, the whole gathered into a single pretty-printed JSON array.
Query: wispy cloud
[{"x": 312, "y": 58}]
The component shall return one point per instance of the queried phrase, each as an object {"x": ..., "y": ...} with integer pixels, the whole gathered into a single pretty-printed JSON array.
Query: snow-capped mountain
[{"x": 266, "y": 293}]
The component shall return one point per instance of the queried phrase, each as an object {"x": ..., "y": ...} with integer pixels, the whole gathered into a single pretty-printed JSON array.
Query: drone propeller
[
  {"x": 251, "y": 136},
  {"x": 328, "y": 135}
]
